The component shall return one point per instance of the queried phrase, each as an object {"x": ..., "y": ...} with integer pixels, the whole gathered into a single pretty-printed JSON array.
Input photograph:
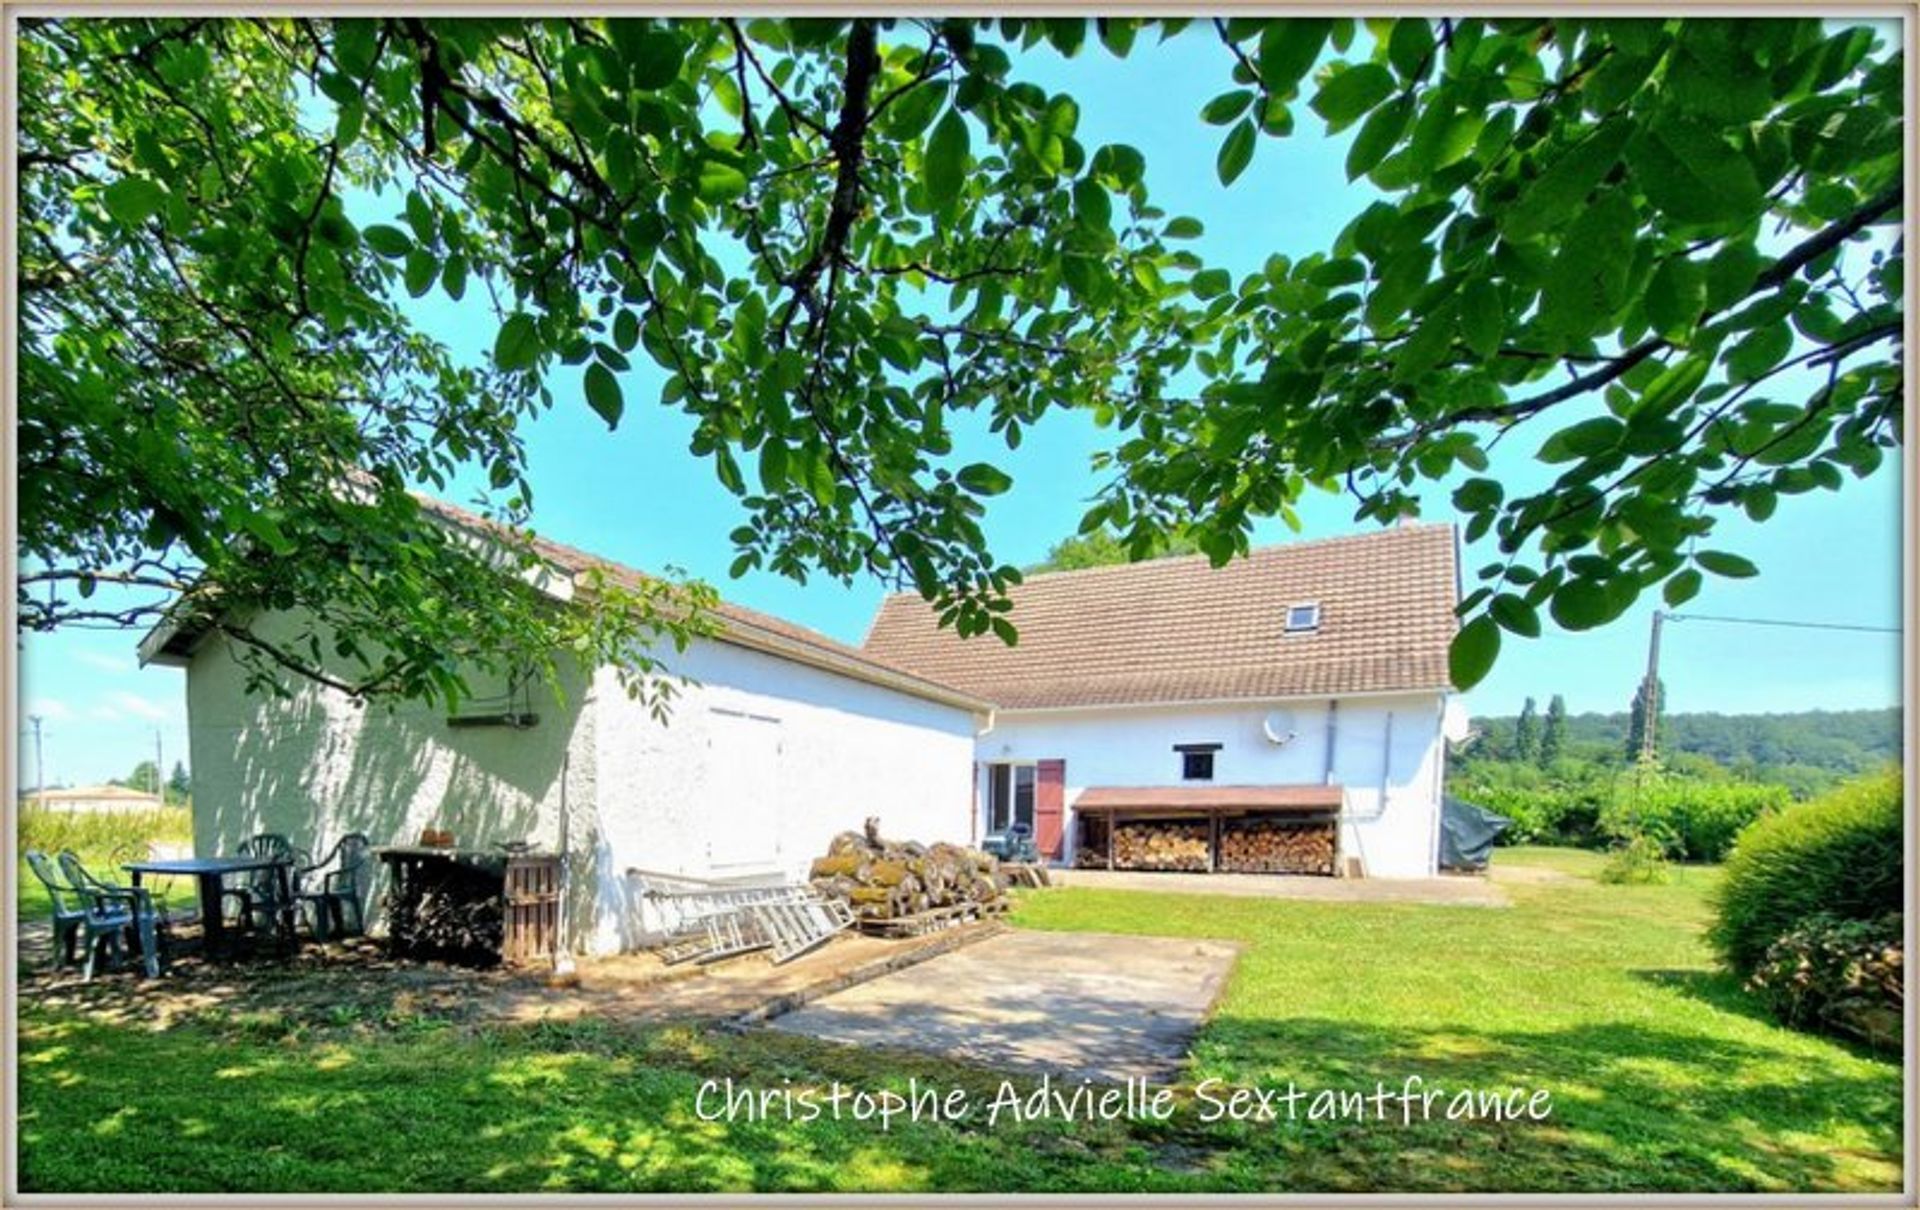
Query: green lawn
[{"x": 1663, "y": 1076}]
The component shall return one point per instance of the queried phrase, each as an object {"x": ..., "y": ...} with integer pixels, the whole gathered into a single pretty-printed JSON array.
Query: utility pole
[
  {"x": 1650, "y": 690},
  {"x": 39, "y": 763},
  {"x": 158, "y": 792}
]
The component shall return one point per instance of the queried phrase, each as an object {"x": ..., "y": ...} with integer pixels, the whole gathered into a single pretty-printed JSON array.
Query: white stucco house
[
  {"x": 780, "y": 738},
  {"x": 1307, "y": 678},
  {"x": 1306, "y": 682}
]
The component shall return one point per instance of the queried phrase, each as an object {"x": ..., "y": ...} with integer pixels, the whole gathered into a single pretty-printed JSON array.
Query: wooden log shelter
[
  {"x": 1210, "y": 829},
  {"x": 475, "y": 907}
]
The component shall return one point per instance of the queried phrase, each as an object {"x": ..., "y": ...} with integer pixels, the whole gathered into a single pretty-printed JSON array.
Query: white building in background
[
  {"x": 1309, "y": 678},
  {"x": 93, "y": 800}
]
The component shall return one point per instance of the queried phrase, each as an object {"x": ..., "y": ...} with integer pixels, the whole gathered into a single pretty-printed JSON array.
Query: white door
[{"x": 743, "y": 792}]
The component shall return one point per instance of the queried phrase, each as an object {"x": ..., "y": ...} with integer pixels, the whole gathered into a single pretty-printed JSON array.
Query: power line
[{"x": 1796, "y": 625}]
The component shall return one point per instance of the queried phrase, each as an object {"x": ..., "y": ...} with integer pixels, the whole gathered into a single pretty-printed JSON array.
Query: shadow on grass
[
  {"x": 1634, "y": 1107},
  {"x": 299, "y": 1103},
  {"x": 1725, "y": 992}
]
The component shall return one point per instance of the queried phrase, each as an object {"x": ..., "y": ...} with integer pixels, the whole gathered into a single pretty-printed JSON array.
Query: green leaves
[
  {"x": 944, "y": 165},
  {"x": 721, "y": 181},
  {"x": 1563, "y": 198},
  {"x": 1675, "y": 297},
  {"x": 1288, "y": 48},
  {"x": 1588, "y": 281},
  {"x": 1513, "y": 613},
  {"x": 603, "y": 393},
  {"x": 133, "y": 199},
  {"x": 1471, "y": 654},
  {"x": 517, "y": 346},
  {"x": 1762, "y": 350},
  {"x": 653, "y": 56},
  {"x": 1582, "y": 604},
  {"x": 1721, "y": 563},
  {"x": 1236, "y": 152},
  {"x": 984, "y": 479},
  {"x": 1692, "y": 174},
  {"x": 1377, "y": 136},
  {"x": 1599, "y": 435},
  {"x": 390, "y": 242},
  {"x": 1560, "y": 192},
  {"x": 1348, "y": 94}
]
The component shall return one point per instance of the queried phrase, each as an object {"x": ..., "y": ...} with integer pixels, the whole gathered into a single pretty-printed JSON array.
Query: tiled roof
[
  {"x": 177, "y": 636},
  {"x": 747, "y": 627},
  {"x": 1207, "y": 798},
  {"x": 1179, "y": 630}
]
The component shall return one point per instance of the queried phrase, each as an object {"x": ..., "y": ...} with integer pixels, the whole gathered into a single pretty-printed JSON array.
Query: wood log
[
  {"x": 1161, "y": 845},
  {"x": 1262, "y": 846}
]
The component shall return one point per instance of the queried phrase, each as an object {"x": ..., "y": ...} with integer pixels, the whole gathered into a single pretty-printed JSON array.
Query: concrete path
[
  {"x": 1075, "y": 1004},
  {"x": 1465, "y": 890}
]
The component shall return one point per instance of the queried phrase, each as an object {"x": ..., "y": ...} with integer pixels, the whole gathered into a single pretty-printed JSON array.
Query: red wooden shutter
[{"x": 1049, "y": 807}]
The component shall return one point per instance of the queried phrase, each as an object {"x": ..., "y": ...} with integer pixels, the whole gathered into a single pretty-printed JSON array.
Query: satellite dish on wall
[{"x": 1278, "y": 727}]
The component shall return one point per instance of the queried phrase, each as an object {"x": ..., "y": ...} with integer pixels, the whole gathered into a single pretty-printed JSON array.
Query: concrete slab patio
[
  {"x": 1466, "y": 891},
  {"x": 1075, "y": 1004}
]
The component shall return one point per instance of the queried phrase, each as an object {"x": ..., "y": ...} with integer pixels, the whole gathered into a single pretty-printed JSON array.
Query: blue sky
[{"x": 637, "y": 496}]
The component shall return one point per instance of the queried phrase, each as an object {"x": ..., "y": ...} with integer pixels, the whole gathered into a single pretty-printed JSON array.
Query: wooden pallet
[{"x": 930, "y": 921}]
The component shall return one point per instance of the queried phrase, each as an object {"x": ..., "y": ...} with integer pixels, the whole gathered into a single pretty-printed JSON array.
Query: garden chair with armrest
[
  {"x": 69, "y": 910},
  {"x": 340, "y": 889},
  {"x": 110, "y": 907},
  {"x": 261, "y": 897}
]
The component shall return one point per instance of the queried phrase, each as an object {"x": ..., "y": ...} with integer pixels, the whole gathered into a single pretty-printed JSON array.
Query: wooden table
[{"x": 211, "y": 873}]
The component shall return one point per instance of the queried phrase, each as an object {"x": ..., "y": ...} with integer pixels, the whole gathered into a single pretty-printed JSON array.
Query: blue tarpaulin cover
[{"x": 1467, "y": 834}]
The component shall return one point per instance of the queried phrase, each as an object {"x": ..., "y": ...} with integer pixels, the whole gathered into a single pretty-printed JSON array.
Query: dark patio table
[{"x": 210, "y": 873}]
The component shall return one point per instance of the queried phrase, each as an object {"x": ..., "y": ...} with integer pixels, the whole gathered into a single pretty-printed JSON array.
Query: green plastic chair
[
  {"x": 69, "y": 910},
  {"x": 341, "y": 889},
  {"x": 259, "y": 899},
  {"x": 112, "y": 913}
]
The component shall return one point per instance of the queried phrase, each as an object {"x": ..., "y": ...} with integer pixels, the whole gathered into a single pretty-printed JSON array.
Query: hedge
[{"x": 1839, "y": 855}]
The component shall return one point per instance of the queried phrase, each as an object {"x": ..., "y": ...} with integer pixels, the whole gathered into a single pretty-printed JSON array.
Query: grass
[
  {"x": 103, "y": 840},
  {"x": 1664, "y": 1076}
]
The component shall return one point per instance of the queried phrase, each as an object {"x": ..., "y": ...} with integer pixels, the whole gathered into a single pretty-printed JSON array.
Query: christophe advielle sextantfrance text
[{"x": 1405, "y": 1102}]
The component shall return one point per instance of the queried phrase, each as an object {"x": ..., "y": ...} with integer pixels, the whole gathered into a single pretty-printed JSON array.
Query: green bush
[
  {"x": 1560, "y": 805},
  {"x": 1695, "y": 819},
  {"x": 1642, "y": 861},
  {"x": 1843, "y": 976},
  {"x": 1839, "y": 855}
]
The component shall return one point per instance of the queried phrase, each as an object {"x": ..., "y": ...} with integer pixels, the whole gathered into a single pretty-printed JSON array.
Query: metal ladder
[{"x": 801, "y": 924}]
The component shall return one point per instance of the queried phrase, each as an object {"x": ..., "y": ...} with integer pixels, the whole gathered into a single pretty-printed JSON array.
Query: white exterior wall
[
  {"x": 1386, "y": 752},
  {"x": 757, "y": 767},
  {"x": 315, "y": 766},
  {"x": 761, "y": 762}
]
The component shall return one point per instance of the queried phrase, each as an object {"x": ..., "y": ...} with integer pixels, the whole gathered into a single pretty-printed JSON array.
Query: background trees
[{"x": 838, "y": 238}]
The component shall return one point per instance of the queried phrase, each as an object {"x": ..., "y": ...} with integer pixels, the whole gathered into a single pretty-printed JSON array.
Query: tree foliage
[
  {"x": 1102, "y": 548},
  {"x": 837, "y": 237},
  {"x": 1553, "y": 737},
  {"x": 1526, "y": 733}
]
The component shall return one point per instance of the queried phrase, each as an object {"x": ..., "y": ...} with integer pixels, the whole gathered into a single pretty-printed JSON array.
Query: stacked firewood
[
  {"x": 1149, "y": 845},
  {"x": 1272, "y": 847},
  {"x": 447, "y": 910},
  {"x": 889, "y": 880}
]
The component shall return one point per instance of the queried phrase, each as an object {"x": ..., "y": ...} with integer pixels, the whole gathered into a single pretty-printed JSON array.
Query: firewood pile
[
  {"x": 1155, "y": 845},
  {"x": 886, "y": 881},
  {"x": 448, "y": 910},
  {"x": 1277, "y": 847}
]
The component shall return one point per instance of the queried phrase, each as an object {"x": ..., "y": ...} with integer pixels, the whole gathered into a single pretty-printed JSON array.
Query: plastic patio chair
[
  {"x": 69, "y": 909},
  {"x": 260, "y": 897},
  {"x": 341, "y": 889},
  {"x": 112, "y": 912}
]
